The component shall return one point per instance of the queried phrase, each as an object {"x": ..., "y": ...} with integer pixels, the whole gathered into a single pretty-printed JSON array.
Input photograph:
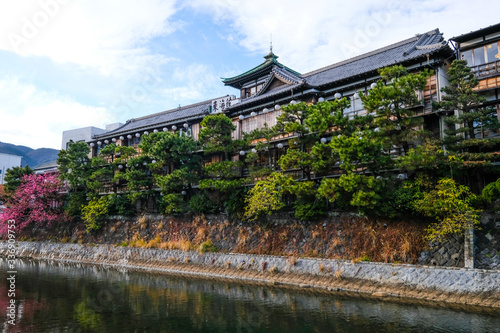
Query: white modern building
[
  {"x": 85, "y": 134},
  {"x": 8, "y": 161},
  {"x": 80, "y": 135}
]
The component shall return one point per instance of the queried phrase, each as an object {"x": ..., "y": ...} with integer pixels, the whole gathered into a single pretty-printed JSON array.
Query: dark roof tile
[
  {"x": 267, "y": 94},
  {"x": 159, "y": 119},
  {"x": 407, "y": 49}
]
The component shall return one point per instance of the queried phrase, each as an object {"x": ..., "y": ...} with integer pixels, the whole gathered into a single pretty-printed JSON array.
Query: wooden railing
[{"x": 489, "y": 69}]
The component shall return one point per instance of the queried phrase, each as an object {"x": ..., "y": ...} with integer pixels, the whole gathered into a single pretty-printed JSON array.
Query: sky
[{"x": 66, "y": 64}]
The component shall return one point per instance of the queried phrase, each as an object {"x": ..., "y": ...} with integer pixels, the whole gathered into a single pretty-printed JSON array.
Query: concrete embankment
[{"x": 453, "y": 285}]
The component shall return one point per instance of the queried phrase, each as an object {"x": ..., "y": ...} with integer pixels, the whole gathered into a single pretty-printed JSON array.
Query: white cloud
[
  {"x": 29, "y": 115},
  {"x": 310, "y": 34},
  {"x": 109, "y": 36},
  {"x": 193, "y": 83}
]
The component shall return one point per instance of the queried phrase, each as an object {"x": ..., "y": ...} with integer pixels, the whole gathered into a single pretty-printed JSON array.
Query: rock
[{"x": 380, "y": 294}]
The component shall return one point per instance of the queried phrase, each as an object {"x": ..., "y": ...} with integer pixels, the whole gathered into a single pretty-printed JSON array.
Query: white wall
[
  {"x": 80, "y": 134},
  {"x": 8, "y": 161}
]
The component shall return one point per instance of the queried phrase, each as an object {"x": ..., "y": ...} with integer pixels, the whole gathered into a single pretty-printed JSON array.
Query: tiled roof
[
  {"x": 270, "y": 62},
  {"x": 46, "y": 165},
  {"x": 409, "y": 49},
  {"x": 283, "y": 75},
  {"x": 477, "y": 33},
  {"x": 405, "y": 50},
  {"x": 159, "y": 119},
  {"x": 287, "y": 75},
  {"x": 267, "y": 94}
]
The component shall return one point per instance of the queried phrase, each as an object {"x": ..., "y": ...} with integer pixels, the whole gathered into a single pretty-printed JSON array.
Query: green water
[{"x": 55, "y": 297}]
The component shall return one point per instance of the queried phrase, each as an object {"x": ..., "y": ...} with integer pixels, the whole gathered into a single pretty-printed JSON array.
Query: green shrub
[
  {"x": 96, "y": 208},
  {"x": 451, "y": 205},
  {"x": 235, "y": 204},
  {"x": 365, "y": 257},
  {"x": 200, "y": 203},
  {"x": 173, "y": 203},
  {"x": 265, "y": 197},
  {"x": 308, "y": 210},
  {"x": 75, "y": 202},
  {"x": 120, "y": 205},
  {"x": 396, "y": 201},
  {"x": 492, "y": 191},
  {"x": 207, "y": 246}
]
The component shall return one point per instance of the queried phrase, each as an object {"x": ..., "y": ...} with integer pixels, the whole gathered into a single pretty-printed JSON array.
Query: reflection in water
[{"x": 56, "y": 297}]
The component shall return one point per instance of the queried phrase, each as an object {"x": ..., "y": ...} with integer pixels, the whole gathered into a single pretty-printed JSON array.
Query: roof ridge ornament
[{"x": 271, "y": 56}]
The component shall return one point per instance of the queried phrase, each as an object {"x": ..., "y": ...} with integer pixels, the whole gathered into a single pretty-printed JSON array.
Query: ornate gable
[
  {"x": 279, "y": 77},
  {"x": 264, "y": 77}
]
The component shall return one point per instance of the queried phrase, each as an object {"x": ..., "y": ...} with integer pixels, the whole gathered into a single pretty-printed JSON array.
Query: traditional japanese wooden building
[
  {"x": 481, "y": 49},
  {"x": 264, "y": 88}
]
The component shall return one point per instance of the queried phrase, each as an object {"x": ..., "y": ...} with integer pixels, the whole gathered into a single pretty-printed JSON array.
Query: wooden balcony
[{"x": 488, "y": 75}]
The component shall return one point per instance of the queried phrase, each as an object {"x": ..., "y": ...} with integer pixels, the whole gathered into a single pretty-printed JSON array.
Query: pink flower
[{"x": 36, "y": 202}]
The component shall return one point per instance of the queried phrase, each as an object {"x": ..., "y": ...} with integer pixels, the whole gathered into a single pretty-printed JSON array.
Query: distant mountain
[{"x": 31, "y": 157}]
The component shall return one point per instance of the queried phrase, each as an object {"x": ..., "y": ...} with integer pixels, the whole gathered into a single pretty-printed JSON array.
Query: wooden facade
[
  {"x": 264, "y": 88},
  {"x": 481, "y": 49}
]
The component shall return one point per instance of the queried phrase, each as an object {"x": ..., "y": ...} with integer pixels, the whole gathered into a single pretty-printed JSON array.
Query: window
[
  {"x": 482, "y": 55},
  {"x": 135, "y": 142},
  {"x": 253, "y": 91},
  {"x": 479, "y": 57},
  {"x": 186, "y": 131},
  {"x": 492, "y": 52},
  {"x": 357, "y": 104},
  {"x": 467, "y": 55},
  {"x": 350, "y": 108}
]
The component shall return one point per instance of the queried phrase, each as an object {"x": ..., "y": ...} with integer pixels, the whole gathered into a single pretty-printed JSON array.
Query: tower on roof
[{"x": 266, "y": 76}]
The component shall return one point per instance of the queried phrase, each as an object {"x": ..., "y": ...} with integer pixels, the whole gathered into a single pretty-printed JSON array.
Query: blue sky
[{"x": 66, "y": 64}]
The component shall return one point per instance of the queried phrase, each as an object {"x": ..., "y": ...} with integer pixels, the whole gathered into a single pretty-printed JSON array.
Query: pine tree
[
  {"x": 470, "y": 156},
  {"x": 391, "y": 101},
  {"x": 468, "y": 117}
]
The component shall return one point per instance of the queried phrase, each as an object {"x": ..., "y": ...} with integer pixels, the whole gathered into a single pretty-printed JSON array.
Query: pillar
[{"x": 469, "y": 252}]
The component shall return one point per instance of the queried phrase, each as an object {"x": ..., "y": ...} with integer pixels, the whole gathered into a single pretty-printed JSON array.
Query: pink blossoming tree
[{"x": 36, "y": 202}]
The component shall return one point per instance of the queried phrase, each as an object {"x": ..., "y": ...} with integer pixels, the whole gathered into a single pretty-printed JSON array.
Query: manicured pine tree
[
  {"x": 468, "y": 117},
  {"x": 13, "y": 178},
  {"x": 175, "y": 169},
  {"x": 222, "y": 179},
  {"x": 74, "y": 170},
  {"x": 391, "y": 102},
  {"x": 470, "y": 156}
]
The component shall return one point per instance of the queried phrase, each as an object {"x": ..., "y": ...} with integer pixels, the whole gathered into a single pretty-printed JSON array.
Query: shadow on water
[{"x": 58, "y": 297}]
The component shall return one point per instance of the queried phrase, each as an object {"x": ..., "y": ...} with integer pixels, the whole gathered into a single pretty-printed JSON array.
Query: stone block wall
[
  {"x": 486, "y": 247},
  {"x": 487, "y": 242},
  {"x": 447, "y": 254}
]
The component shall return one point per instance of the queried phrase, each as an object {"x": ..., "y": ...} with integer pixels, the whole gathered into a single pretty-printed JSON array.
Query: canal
[{"x": 57, "y": 297}]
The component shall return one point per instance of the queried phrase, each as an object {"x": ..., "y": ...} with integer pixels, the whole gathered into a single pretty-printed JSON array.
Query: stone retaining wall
[
  {"x": 470, "y": 286},
  {"x": 487, "y": 242},
  {"x": 447, "y": 254}
]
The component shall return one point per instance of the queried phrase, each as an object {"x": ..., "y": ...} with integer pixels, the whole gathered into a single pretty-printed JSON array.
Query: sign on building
[{"x": 221, "y": 104}]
